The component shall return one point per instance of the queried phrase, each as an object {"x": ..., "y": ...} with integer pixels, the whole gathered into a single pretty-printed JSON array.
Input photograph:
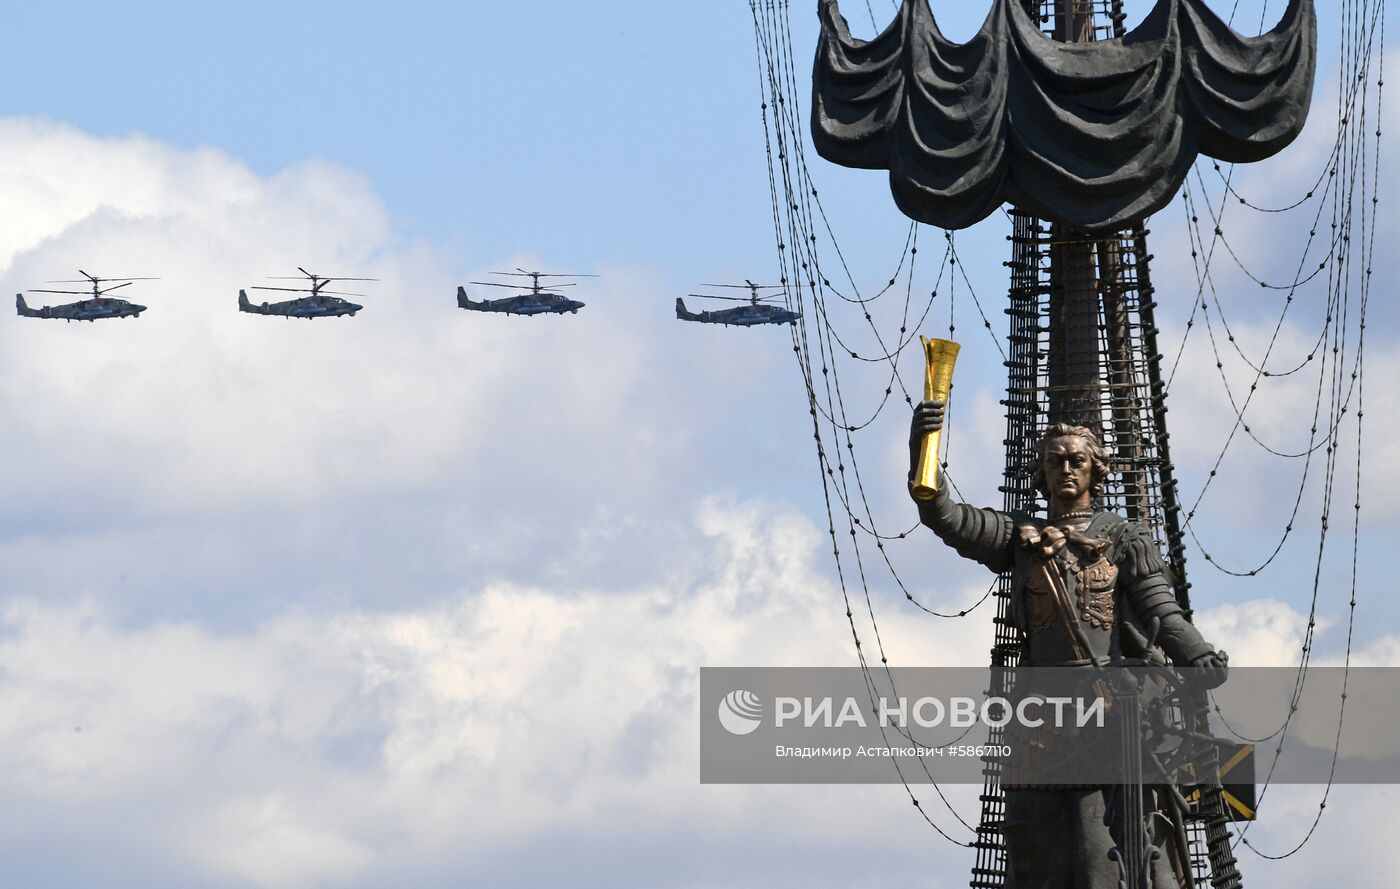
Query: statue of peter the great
[{"x": 1082, "y": 577}]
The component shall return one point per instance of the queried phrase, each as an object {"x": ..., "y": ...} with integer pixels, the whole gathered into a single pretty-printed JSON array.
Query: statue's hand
[
  {"x": 1044, "y": 542},
  {"x": 1212, "y": 668},
  {"x": 928, "y": 417}
]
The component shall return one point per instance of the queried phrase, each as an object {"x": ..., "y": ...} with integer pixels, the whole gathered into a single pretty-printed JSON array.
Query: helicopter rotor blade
[
  {"x": 98, "y": 280},
  {"x": 323, "y": 279},
  {"x": 316, "y": 292},
  {"x": 110, "y": 289},
  {"x": 497, "y": 284},
  {"x": 737, "y": 299},
  {"x": 748, "y": 286},
  {"x": 524, "y": 274},
  {"x": 300, "y": 278},
  {"x": 528, "y": 288},
  {"x": 76, "y": 292}
]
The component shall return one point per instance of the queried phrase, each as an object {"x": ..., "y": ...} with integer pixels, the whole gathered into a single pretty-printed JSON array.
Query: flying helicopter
[
  {"x": 320, "y": 304},
  {"x": 96, "y": 306},
  {"x": 538, "y": 301},
  {"x": 751, "y": 315}
]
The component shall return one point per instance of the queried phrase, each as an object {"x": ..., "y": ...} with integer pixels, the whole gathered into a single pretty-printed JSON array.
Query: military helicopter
[
  {"x": 751, "y": 315},
  {"x": 94, "y": 307},
  {"x": 320, "y": 304},
  {"x": 537, "y": 302}
]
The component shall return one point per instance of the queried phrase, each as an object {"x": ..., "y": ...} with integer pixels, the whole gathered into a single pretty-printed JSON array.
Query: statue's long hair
[{"x": 1097, "y": 455}]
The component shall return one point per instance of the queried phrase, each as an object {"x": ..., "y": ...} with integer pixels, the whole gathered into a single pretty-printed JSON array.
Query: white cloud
[
  {"x": 195, "y": 407},
  {"x": 312, "y": 747},
  {"x": 325, "y": 750}
]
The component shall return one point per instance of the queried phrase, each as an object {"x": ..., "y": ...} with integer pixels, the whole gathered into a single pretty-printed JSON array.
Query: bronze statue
[{"x": 1087, "y": 586}]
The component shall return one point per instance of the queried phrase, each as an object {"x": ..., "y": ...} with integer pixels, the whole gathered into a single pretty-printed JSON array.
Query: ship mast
[
  {"x": 1082, "y": 162},
  {"x": 1083, "y": 350}
]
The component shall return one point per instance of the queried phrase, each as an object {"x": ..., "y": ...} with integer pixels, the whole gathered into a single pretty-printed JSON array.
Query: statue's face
[{"x": 1069, "y": 468}]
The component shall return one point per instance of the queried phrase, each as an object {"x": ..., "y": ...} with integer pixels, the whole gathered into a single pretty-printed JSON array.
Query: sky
[{"x": 421, "y": 597}]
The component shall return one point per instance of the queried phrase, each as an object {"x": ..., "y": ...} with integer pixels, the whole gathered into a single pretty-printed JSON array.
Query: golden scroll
[{"x": 938, "y": 382}]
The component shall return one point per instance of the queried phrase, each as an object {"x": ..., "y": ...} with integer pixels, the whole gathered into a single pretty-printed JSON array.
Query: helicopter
[
  {"x": 751, "y": 315},
  {"x": 96, "y": 306},
  {"x": 320, "y": 304},
  {"x": 537, "y": 302}
]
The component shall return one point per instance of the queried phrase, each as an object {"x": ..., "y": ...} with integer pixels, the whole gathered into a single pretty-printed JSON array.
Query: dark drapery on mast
[{"x": 1097, "y": 136}]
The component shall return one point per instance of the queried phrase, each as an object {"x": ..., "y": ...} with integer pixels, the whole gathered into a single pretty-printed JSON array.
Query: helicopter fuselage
[
  {"x": 82, "y": 310},
  {"x": 527, "y": 304},
  {"x": 740, "y": 316},
  {"x": 317, "y": 306}
]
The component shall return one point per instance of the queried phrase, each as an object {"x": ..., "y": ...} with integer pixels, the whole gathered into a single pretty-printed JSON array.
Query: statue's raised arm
[{"x": 983, "y": 535}]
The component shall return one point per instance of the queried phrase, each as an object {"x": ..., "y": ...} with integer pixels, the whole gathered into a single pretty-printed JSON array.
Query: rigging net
[{"x": 1096, "y": 290}]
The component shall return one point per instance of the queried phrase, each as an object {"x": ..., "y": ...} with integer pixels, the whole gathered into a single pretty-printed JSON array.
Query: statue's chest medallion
[{"x": 1097, "y": 582}]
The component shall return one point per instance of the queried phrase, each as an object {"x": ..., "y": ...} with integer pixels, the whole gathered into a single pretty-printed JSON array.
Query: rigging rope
[{"x": 819, "y": 345}]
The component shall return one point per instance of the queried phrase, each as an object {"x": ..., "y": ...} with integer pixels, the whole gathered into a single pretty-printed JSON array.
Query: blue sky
[
  {"x": 608, "y": 117},
  {"x": 275, "y": 593}
]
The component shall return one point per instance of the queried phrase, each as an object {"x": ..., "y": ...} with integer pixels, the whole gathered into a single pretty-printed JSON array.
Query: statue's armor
[
  {"x": 1115, "y": 581},
  {"x": 1112, "y": 571},
  {"x": 1090, "y": 579}
]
